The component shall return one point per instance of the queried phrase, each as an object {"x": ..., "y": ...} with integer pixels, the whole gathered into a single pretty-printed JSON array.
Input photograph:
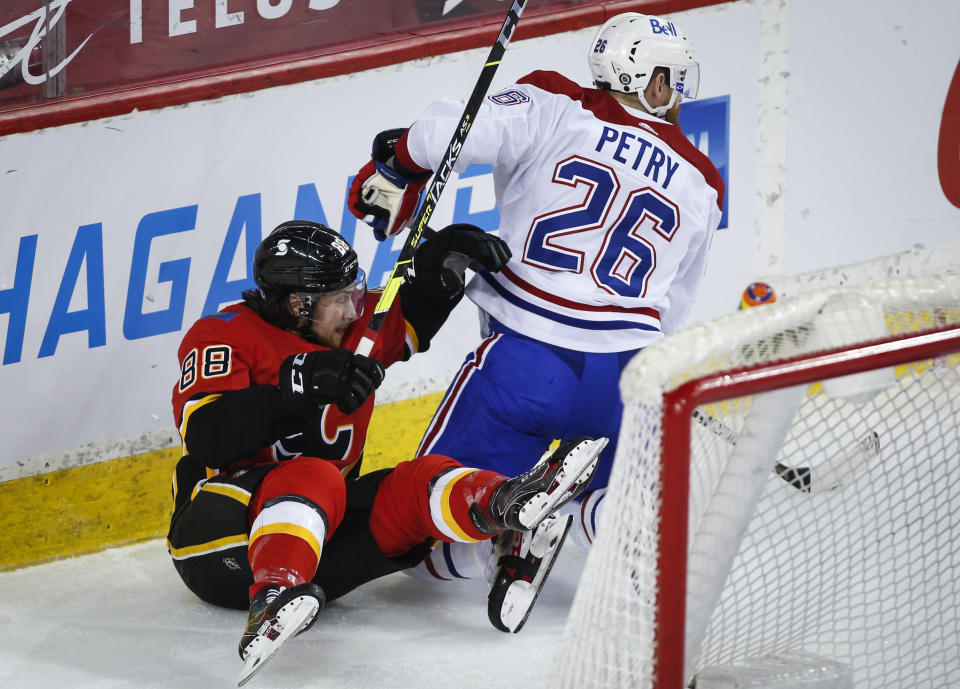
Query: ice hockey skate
[
  {"x": 521, "y": 503},
  {"x": 276, "y": 616},
  {"x": 524, "y": 559}
]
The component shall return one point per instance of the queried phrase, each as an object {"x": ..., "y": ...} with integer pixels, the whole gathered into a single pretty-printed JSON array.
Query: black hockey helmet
[{"x": 301, "y": 256}]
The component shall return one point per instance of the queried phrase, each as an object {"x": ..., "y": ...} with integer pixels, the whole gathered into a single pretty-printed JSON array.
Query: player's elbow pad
[
  {"x": 425, "y": 308},
  {"x": 235, "y": 427}
]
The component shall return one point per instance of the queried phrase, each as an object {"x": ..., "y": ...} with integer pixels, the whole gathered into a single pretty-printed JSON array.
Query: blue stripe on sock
[
  {"x": 593, "y": 514},
  {"x": 449, "y": 560}
]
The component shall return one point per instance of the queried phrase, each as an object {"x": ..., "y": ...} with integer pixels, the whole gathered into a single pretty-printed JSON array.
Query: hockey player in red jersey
[
  {"x": 271, "y": 511},
  {"x": 609, "y": 212}
]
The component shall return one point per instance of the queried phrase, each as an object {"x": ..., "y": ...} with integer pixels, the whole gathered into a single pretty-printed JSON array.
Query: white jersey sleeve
[{"x": 609, "y": 212}]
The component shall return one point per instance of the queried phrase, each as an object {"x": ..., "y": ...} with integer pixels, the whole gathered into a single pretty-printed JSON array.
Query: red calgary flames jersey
[{"x": 236, "y": 349}]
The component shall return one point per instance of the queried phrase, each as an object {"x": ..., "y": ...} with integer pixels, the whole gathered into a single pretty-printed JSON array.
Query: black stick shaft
[{"x": 435, "y": 189}]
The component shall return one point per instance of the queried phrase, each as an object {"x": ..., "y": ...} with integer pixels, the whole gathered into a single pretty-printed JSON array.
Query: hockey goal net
[{"x": 784, "y": 496}]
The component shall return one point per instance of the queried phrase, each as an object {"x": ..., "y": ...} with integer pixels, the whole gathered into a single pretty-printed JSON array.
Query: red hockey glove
[{"x": 384, "y": 194}]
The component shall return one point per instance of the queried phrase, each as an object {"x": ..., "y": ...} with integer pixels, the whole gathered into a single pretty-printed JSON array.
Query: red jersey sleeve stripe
[{"x": 403, "y": 155}]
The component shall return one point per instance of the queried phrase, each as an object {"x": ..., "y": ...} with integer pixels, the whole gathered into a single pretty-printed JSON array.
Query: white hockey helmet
[{"x": 629, "y": 46}]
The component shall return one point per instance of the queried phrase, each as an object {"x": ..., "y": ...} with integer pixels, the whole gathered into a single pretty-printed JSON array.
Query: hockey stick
[
  {"x": 836, "y": 472},
  {"x": 832, "y": 474},
  {"x": 440, "y": 177},
  {"x": 715, "y": 425}
]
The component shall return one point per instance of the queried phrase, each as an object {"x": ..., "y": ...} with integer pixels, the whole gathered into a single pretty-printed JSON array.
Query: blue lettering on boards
[
  {"x": 136, "y": 323},
  {"x": 246, "y": 214},
  {"x": 14, "y": 300},
  {"x": 308, "y": 206},
  {"x": 87, "y": 247}
]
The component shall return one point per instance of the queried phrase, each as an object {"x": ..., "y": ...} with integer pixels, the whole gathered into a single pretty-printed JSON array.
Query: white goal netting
[{"x": 822, "y": 517}]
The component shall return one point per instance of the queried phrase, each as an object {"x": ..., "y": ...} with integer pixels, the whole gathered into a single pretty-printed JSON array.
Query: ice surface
[{"x": 123, "y": 618}]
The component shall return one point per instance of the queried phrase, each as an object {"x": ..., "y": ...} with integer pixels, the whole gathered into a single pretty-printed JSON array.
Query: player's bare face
[{"x": 333, "y": 312}]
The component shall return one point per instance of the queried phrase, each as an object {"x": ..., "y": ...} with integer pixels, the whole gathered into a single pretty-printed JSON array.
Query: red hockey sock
[
  {"x": 430, "y": 497},
  {"x": 279, "y": 559},
  {"x": 463, "y": 490}
]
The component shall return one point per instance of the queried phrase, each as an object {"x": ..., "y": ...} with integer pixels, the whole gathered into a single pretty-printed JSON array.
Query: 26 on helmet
[
  {"x": 629, "y": 46},
  {"x": 307, "y": 259}
]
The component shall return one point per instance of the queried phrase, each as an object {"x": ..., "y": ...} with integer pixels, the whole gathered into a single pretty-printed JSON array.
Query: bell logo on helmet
[
  {"x": 637, "y": 44},
  {"x": 657, "y": 28}
]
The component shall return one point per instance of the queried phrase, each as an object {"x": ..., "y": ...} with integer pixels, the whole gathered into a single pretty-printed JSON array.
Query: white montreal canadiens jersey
[{"x": 608, "y": 212}]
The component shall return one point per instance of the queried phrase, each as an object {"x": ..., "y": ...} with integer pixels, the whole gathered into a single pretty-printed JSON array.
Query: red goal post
[{"x": 779, "y": 489}]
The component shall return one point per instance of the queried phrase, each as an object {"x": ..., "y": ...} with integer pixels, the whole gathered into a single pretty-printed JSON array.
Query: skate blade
[
  {"x": 297, "y": 614},
  {"x": 581, "y": 461},
  {"x": 521, "y": 596}
]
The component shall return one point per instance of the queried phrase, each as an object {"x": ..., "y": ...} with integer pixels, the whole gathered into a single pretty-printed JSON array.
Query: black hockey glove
[
  {"x": 366, "y": 374},
  {"x": 435, "y": 287},
  {"x": 311, "y": 380},
  {"x": 442, "y": 259}
]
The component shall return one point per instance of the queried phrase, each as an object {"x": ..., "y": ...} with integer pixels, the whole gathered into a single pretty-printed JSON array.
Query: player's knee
[
  {"x": 315, "y": 479},
  {"x": 423, "y": 470}
]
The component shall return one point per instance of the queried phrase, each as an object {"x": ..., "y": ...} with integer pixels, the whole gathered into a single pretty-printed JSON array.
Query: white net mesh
[{"x": 847, "y": 552}]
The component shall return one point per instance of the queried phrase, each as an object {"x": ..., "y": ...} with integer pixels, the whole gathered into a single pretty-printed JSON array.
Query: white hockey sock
[
  {"x": 456, "y": 561},
  {"x": 586, "y": 516}
]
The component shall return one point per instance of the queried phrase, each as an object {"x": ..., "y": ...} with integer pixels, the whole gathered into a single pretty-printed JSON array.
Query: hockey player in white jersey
[{"x": 608, "y": 211}]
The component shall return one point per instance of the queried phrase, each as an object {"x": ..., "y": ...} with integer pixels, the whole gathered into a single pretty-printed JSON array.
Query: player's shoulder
[
  {"x": 231, "y": 322},
  {"x": 556, "y": 84},
  {"x": 674, "y": 137},
  {"x": 228, "y": 317},
  {"x": 545, "y": 84},
  {"x": 532, "y": 90},
  {"x": 604, "y": 107},
  {"x": 552, "y": 82}
]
